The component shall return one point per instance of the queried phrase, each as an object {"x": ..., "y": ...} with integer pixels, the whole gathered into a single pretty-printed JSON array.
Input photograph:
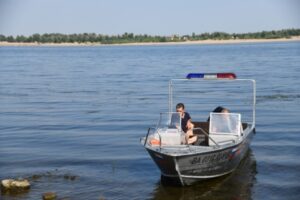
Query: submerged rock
[
  {"x": 49, "y": 196},
  {"x": 11, "y": 184},
  {"x": 70, "y": 177}
]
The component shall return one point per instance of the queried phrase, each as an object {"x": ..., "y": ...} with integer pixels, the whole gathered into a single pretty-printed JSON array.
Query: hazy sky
[{"x": 155, "y": 17}]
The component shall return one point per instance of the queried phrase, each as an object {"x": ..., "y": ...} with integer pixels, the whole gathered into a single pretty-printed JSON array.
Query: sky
[{"x": 153, "y": 17}]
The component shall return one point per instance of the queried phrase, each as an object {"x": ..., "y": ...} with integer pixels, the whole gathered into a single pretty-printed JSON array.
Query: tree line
[{"x": 132, "y": 38}]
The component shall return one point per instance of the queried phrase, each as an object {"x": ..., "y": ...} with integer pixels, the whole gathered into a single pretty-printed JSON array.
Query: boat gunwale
[{"x": 211, "y": 149}]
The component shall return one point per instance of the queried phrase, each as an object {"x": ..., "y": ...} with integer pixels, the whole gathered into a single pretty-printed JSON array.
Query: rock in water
[
  {"x": 21, "y": 184},
  {"x": 11, "y": 184},
  {"x": 49, "y": 196},
  {"x": 6, "y": 184}
]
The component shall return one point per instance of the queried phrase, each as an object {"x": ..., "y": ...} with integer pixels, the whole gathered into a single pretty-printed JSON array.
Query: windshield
[
  {"x": 228, "y": 123},
  {"x": 169, "y": 120}
]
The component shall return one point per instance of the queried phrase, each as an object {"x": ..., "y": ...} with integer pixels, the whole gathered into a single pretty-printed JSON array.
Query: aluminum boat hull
[{"x": 190, "y": 168}]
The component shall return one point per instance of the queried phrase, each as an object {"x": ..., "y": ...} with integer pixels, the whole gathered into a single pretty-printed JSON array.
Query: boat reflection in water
[{"x": 236, "y": 185}]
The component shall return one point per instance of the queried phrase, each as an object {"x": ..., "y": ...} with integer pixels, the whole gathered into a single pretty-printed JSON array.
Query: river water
[{"x": 71, "y": 119}]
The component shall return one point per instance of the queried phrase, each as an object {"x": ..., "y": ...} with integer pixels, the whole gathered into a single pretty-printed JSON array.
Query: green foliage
[{"x": 131, "y": 38}]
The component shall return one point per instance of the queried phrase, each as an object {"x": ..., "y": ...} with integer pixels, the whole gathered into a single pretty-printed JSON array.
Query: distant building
[
  {"x": 174, "y": 37},
  {"x": 185, "y": 37}
]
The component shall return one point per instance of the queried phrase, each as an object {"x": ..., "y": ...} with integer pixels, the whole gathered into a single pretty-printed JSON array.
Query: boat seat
[{"x": 202, "y": 136}]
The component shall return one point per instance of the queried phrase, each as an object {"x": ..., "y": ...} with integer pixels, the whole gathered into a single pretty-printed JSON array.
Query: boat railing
[
  {"x": 160, "y": 143},
  {"x": 146, "y": 139},
  {"x": 217, "y": 144},
  {"x": 205, "y": 133}
]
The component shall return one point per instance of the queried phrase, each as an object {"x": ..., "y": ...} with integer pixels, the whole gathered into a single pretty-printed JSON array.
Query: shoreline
[{"x": 198, "y": 42}]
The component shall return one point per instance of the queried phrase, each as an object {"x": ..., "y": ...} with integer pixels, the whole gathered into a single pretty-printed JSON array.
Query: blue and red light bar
[{"x": 211, "y": 75}]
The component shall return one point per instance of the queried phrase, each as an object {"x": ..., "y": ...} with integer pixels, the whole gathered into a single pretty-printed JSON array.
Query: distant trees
[
  {"x": 286, "y": 33},
  {"x": 131, "y": 38}
]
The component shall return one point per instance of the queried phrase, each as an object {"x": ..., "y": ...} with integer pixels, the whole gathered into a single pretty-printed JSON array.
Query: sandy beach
[{"x": 199, "y": 42}]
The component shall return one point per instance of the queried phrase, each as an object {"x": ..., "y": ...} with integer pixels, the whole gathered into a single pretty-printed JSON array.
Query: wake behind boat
[{"x": 223, "y": 141}]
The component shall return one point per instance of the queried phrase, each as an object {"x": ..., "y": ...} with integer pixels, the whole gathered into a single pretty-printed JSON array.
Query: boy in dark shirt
[{"x": 186, "y": 124}]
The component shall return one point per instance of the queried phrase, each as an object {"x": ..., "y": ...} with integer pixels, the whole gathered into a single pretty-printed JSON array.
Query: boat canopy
[{"x": 202, "y": 92}]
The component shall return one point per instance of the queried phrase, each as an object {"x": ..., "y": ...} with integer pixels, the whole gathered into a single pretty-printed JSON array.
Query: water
[{"x": 71, "y": 119}]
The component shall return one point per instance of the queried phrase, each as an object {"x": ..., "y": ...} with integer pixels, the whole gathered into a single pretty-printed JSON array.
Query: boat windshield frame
[{"x": 252, "y": 81}]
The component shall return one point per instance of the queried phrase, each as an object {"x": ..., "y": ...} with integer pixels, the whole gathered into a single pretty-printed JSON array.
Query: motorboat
[{"x": 223, "y": 140}]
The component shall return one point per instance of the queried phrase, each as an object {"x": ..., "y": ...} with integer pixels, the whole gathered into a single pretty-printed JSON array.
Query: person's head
[
  {"x": 180, "y": 108},
  {"x": 225, "y": 110},
  {"x": 219, "y": 109}
]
